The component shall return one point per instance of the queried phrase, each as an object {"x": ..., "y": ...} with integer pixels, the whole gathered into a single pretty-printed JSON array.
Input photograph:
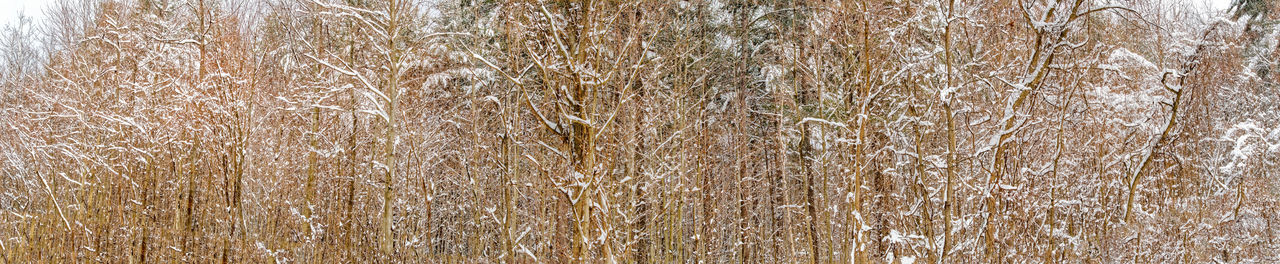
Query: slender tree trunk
[
  {"x": 947, "y": 210},
  {"x": 389, "y": 151}
]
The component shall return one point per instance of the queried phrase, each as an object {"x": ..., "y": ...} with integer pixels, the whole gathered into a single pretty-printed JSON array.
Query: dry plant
[{"x": 706, "y": 131}]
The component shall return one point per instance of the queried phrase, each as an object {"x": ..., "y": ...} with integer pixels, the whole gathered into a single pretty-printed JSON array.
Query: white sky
[{"x": 31, "y": 8}]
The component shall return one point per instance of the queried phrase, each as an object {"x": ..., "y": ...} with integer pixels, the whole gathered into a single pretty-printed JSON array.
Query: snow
[
  {"x": 726, "y": 42},
  {"x": 896, "y": 237},
  {"x": 823, "y": 121},
  {"x": 1274, "y": 136},
  {"x": 1132, "y": 93},
  {"x": 1125, "y": 58},
  {"x": 719, "y": 16},
  {"x": 577, "y": 119},
  {"x": 1247, "y": 140}
]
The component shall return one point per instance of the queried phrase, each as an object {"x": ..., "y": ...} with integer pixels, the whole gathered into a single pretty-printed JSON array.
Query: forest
[{"x": 647, "y": 131}]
